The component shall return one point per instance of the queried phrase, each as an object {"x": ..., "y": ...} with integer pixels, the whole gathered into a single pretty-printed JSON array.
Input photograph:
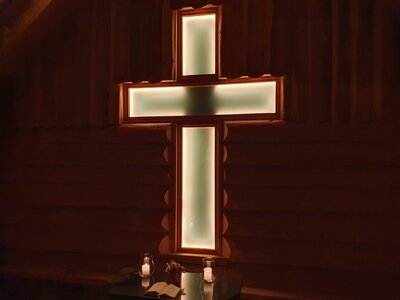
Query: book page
[
  {"x": 170, "y": 291},
  {"x": 156, "y": 289}
]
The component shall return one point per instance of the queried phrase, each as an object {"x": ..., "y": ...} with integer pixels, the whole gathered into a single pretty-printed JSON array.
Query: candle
[
  {"x": 208, "y": 274},
  {"x": 146, "y": 270}
]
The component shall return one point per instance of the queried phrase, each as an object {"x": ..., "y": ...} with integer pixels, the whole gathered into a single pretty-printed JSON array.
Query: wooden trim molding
[{"x": 178, "y": 53}]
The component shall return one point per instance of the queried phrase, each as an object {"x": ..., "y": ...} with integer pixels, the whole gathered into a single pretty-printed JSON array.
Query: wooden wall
[
  {"x": 311, "y": 202},
  {"x": 315, "y": 208},
  {"x": 88, "y": 199}
]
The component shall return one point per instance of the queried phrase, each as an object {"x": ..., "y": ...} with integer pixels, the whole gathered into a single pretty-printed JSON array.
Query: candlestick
[{"x": 208, "y": 290}]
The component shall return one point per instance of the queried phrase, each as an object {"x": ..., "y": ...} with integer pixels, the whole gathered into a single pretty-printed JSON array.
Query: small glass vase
[
  {"x": 208, "y": 267},
  {"x": 146, "y": 265}
]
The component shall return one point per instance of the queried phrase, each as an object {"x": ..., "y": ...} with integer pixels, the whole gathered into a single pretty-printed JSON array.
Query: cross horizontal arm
[{"x": 229, "y": 99}]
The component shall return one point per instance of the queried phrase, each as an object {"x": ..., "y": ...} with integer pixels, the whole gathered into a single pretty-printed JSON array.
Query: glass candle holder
[
  {"x": 208, "y": 265},
  {"x": 146, "y": 265},
  {"x": 208, "y": 290},
  {"x": 147, "y": 282}
]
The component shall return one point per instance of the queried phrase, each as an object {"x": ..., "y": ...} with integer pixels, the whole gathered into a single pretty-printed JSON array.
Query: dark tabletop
[{"x": 227, "y": 285}]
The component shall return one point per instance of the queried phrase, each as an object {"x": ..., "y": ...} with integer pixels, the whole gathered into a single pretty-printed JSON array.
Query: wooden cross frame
[{"x": 196, "y": 104}]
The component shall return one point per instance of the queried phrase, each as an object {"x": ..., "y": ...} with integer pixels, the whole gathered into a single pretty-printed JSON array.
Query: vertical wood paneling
[
  {"x": 234, "y": 39},
  {"x": 319, "y": 72},
  {"x": 260, "y": 15},
  {"x": 354, "y": 27},
  {"x": 377, "y": 62},
  {"x": 300, "y": 99},
  {"x": 280, "y": 64},
  {"x": 391, "y": 60},
  {"x": 146, "y": 31},
  {"x": 113, "y": 106},
  {"x": 363, "y": 58},
  {"x": 166, "y": 41},
  {"x": 83, "y": 64},
  {"x": 341, "y": 60},
  {"x": 49, "y": 92},
  {"x": 100, "y": 62},
  {"x": 122, "y": 58}
]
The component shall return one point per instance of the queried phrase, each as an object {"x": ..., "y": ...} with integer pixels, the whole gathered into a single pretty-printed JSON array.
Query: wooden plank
[
  {"x": 282, "y": 64},
  {"x": 359, "y": 229},
  {"x": 120, "y": 219},
  {"x": 83, "y": 51},
  {"x": 38, "y": 114},
  {"x": 55, "y": 274},
  {"x": 313, "y": 153},
  {"x": 71, "y": 260},
  {"x": 115, "y": 195},
  {"x": 32, "y": 272},
  {"x": 234, "y": 39},
  {"x": 259, "y": 37},
  {"x": 365, "y": 200},
  {"x": 122, "y": 58},
  {"x": 363, "y": 58},
  {"x": 166, "y": 41},
  {"x": 87, "y": 174},
  {"x": 64, "y": 68},
  {"x": 113, "y": 104},
  {"x": 355, "y": 48},
  {"x": 89, "y": 154},
  {"x": 18, "y": 111},
  {"x": 352, "y": 284},
  {"x": 282, "y": 131},
  {"x": 129, "y": 134},
  {"x": 378, "y": 59},
  {"x": 319, "y": 72},
  {"x": 146, "y": 43},
  {"x": 79, "y": 239},
  {"x": 100, "y": 22},
  {"x": 252, "y": 293},
  {"x": 391, "y": 61},
  {"x": 342, "y": 59},
  {"x": 42, "y": 286},
  {"x": 313, "y": 176},
  {"x": 300, "y": 92},
  {"x": 314, "y": 254}
]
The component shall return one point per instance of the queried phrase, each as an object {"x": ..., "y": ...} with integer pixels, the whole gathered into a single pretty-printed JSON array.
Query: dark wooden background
[{"x": 311, "y": 202}]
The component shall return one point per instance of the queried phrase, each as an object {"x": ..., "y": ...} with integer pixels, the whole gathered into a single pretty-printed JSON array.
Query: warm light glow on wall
[
  {"x": 198, "y": 44},
  {"x": 198, "y": 187}
]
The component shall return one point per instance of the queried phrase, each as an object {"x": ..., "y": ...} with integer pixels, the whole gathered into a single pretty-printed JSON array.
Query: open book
[{"x": 163, "y": 290}]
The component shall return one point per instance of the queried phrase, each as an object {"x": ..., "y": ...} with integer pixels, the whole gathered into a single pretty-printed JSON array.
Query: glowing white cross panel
[
  {"x": 198, "y": 44},
  {"x": 197, "y": 102}
]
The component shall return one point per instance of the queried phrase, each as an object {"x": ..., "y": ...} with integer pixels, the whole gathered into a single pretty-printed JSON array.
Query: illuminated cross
[{"x": 198, "y": 102}]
